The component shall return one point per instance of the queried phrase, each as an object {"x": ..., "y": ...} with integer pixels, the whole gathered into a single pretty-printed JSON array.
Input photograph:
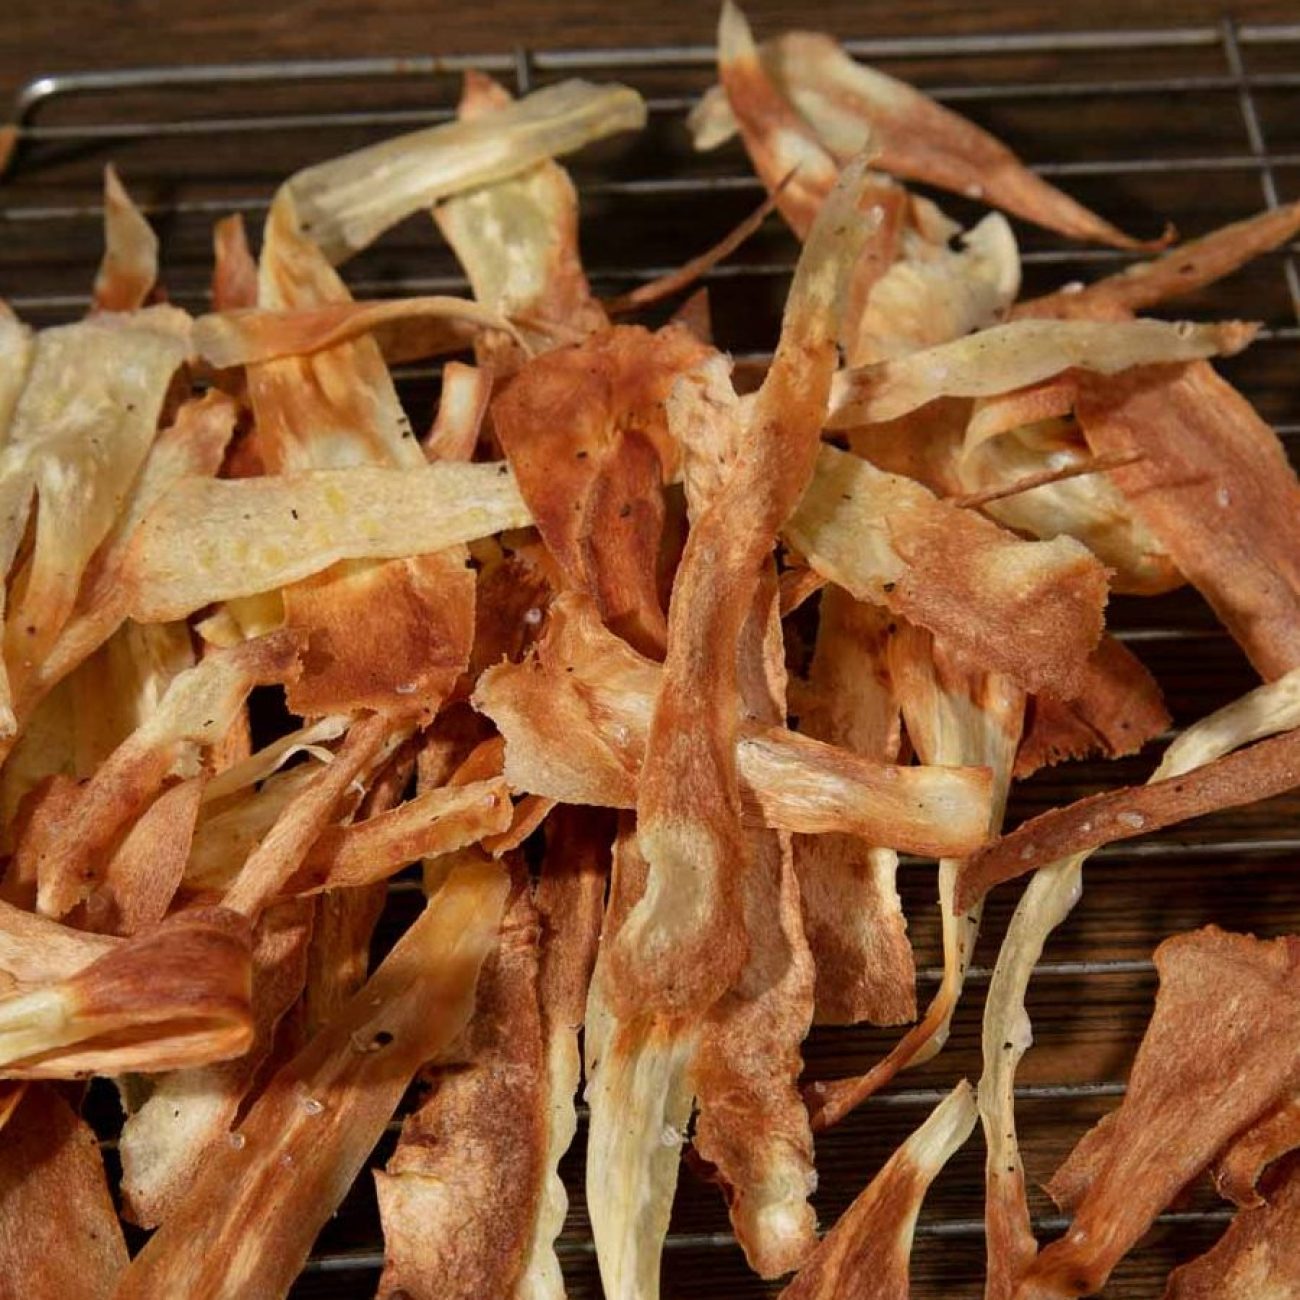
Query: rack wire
[{"x": 1198, "y": 123}]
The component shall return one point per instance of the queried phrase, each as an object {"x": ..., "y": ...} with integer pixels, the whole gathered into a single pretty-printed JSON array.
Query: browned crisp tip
[{"x": 8, "y": 146}]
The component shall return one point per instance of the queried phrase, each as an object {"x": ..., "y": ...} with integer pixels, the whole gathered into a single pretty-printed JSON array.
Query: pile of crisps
[{"x": 541, "y": 651}]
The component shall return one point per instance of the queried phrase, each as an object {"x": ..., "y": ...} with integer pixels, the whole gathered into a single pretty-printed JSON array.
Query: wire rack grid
[{"x": 1195, "y": 123}]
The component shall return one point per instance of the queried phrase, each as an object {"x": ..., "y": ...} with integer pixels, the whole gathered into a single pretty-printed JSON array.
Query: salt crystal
[
  {"x": 237, "y": 1141},
  {"x": 1133, "y": 820},
  {"x": 1223, "y": 497}
]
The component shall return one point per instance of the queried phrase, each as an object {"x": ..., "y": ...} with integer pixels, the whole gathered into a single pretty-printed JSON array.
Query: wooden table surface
[
  {"x": 1086, "y": 1024},
  {"x": 40, "y": 36}
]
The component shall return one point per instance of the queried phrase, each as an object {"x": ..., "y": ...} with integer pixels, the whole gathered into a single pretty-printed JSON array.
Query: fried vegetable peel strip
[
  {"x": 346, "y": 203},
  {"x": 344, "y": 920},
  {"x": 752, "y": 1127},
  {"x": 1183, "y": 269},
  {"x": 1007, "y": 1033},
  {"x": 934, "y": 293},
  {"x": 1216, "y": 489},
  {"x": 1177, "y": 1111},
  {"x": 1267, "y": 768},
  {"x": 851, "y": 909},
  {"x": 189, "y": 1112},
  {"x": 196, "y": 710},
  {"x": 59, "y": 1234},
  {"x": 851, "y": 106},
  {"x": 81, "y": 428},
  {"x": 570, "y": 898},
  {"x": 792, "y": 163},
  {"x": 271, "y": 866},
  {"x": 640, "y": 1099},
  {"x": 403, "y": 665},
  {"x": 541, "y": 284},
  {"x": 1020, "y": 353},
  {"x": 234, "y": 272},
  {"x": 683, "y": 942},
  {"x": 214, "y": 539},
  {"x": 251, "y": 335},
  {"x": 324, "y": 1110},
  {"x": 332, "y": 408},
  {"x": 1119, "y": 710},
  {"x": 438, "y": 821},
  {"x": 578, "y": 737},
  {"x": 458, "y": 1197},
  {"x": 585, "y": 431},
  {"x": 868, "y": 1251},
  {"x": 193, "y": 444},
  {"x": 1258, "y": 1258},
  {"x": 130, "y": 263},
  {"x": 951, "y": 712},
  {"x": 146, "y": 869},
  {"x": 466, "y": 391},
  {"x": 36, "y": 950},
  {"x": 1032, "y": 610},
  {"x": 1237, "y": 1170},
  {"x": 1007, "y": 473},
  {"x": 185, "y": 982}
]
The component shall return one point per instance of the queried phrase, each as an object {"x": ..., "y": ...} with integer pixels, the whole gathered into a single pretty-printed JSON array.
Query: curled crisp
[
  {"x": 852, "y": 913},
  {"x": 1176, "y": 1113},
  {"x": 1268, "y": 768},
  {"x": 575, "y": 719},
  {"x": 1215, "y": 487},
  {"x": 1181, "y": 270},
  {"x": 1020, "y": 353},
  {"x": 868, "y": 1251},
  {"x": 196, "y": 712},
  {"x": 1031, "y": 610},
  {"x": 459, "y": 1195},
  {"x": 435, "y": 822},
  {"x": 214, "y": 539},
  {"x": 585, "y": 431},
  {"x": 640, "y": 1099},
  {"x": 683, "y": 942},
  {"x": 1258, "y": 1256},
  {"x": 130, "y": 263},
  {"x": 541, "y": 286},
  {"x": 792, "y": 163},
  {"x": 852, "y": 107},
  {"x": 1237, "y": 1169},
  {"x": 172, "y": 996},
  {"x": 1119, "y": 710},
  {"x": 307, "y": 1136},
  {"x": 348, "y": 202}
]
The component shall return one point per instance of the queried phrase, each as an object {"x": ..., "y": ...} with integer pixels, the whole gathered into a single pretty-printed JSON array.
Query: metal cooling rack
[{"x": 1217, "y": 112}]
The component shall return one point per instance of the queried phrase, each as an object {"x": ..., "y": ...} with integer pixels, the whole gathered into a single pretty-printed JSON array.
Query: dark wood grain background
[
  {"x": 1086, "y": 1024},
  {"x": 50, "y": 35}
]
